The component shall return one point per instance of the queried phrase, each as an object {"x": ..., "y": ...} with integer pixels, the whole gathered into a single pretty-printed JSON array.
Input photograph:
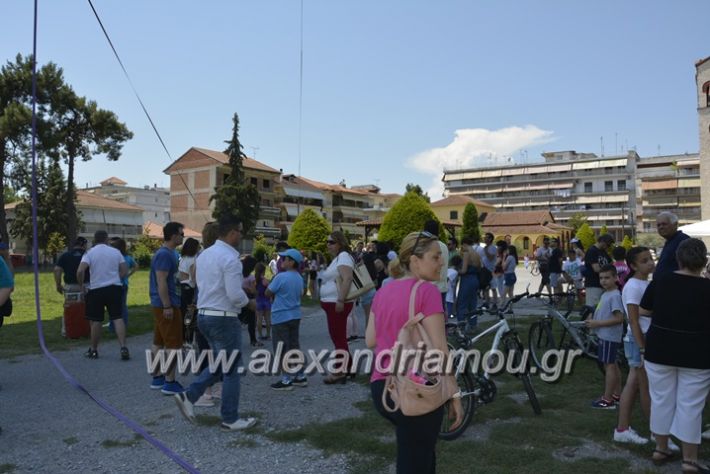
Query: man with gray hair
[{"x": 667, "y": 225}]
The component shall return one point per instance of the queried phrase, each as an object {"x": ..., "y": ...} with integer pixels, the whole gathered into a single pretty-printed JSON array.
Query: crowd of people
[{"x": 204, "y": 295}]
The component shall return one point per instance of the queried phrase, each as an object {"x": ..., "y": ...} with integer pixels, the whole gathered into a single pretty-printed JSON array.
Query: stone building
[{"x": 702, "y": 80}]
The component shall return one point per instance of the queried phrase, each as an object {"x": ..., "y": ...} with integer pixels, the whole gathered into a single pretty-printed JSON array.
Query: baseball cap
[{"x": 293, "y": 254}]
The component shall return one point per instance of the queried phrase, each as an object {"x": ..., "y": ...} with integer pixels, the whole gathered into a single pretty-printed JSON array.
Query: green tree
[
  {"x": 627, "y": 243},
  {"x": 55, "y": 244},
  {"x": 84, "y": 132},
  {"x": 576, "y": 221},
  {"x": 471, "y": 226},
  {"x": 585, "y": 234},
  {"x": 415, "y": 188},
  {"x": 262, "y": 250},
  {"x": 407, "y": 215},
  {"x": 144, "y": 248},
  {"x": 603, "y": 230},
  {"x": 51, "y": 217},
  {"x": 16, "y": 116},
  {"x": 309, "y": 232},
  {"x": 649, "y": 239},
  {"x": 236, "y": 197}
]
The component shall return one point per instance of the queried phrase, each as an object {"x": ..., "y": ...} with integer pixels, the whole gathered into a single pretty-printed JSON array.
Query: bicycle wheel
[
  {"x": 468, "y": 404},
  {"x": 540, "y": 340},
  {"x": 513, "y": 344}
]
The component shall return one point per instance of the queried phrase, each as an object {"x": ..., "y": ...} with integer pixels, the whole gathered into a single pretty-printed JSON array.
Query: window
[
  {"x": 254, "y": 181},
  {"x": 587, "y": 187},
  {"x": 608, "y": 186},
  {"x": 621, "y": 185},
  {"x": 453, "y": 215},
  {"x": 266, "y": 183}
]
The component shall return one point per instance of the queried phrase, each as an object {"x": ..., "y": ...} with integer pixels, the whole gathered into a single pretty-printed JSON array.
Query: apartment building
[
  {"x": 154, "y": 201},
  {"x": 667, "y": 183},
  {"x": 565, "y": 183},
  {"x": 194, "y": 177}
]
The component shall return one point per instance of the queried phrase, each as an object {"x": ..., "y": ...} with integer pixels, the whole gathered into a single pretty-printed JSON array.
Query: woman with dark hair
[
  {"x": 677, "y": 355},
  {"x": 333, "y": 293},
  {"x": 120, "y": 244},
  {"x": 186, "y": 277}
]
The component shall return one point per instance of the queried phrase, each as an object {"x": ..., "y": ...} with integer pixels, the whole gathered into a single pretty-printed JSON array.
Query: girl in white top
[{"x": 641, "y": 264}]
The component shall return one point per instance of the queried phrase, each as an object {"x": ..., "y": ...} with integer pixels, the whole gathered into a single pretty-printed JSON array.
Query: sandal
[
  {"x": 666, "y": 457},
  {"x": 696, "y": 467}
]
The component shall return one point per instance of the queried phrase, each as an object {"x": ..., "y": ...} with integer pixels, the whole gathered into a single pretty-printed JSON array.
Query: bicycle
[
  {"x": 541, "y": 338},
  {"x": 477, "y": 387}
]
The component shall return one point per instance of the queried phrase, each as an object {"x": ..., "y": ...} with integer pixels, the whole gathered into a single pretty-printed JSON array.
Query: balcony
[
  {"x": 268, "y": 212},
  {"x": 272, "y": 232}
]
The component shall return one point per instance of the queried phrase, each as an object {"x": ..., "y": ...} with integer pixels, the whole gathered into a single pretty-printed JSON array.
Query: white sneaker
[
  {"x": 240, "y": 424},
  {"x": 204, "y": 401},
  {"x": 185, "y": 406},
  {"x": 629, "y": 436},
  {"x": 671, "y": 445}
]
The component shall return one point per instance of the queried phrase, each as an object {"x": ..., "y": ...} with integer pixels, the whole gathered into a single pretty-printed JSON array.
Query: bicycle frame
[
  {"x": 501, "y": 328},
  {"x": 572, "y": 327}
]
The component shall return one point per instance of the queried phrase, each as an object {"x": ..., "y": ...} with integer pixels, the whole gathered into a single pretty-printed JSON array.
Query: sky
[{"x": 393, "y": 91}]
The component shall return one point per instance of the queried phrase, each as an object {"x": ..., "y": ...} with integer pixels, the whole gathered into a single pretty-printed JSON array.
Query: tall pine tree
[
  {"x": 237, "y": 197},
  {"x": 470, "y": 223}
]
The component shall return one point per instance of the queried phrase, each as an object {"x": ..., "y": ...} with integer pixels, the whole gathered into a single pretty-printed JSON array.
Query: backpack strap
[{"x": 412, "y": 297}]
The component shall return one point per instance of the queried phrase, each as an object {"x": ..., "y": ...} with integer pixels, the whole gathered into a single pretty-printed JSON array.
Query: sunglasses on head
[{"x": 425, "y": 234}]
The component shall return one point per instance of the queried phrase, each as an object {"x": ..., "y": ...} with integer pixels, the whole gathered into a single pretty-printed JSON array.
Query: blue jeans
[{"x": 223, "y": 333}]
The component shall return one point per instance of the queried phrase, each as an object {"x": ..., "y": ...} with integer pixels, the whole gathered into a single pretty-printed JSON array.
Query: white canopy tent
[{"x": 697, "y": 229}]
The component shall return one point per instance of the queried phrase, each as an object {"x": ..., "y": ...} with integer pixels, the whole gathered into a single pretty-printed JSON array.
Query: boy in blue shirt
[
  {"x": 607, "y": 323},
  {"x": 286, "y": 288}
]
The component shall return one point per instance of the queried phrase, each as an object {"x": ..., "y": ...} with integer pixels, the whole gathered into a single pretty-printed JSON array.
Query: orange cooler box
[{"x": 75, "y": 323}]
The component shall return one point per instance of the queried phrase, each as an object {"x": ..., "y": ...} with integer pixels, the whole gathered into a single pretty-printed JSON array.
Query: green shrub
[
  {"x": 309, "y": 232},
  {"x": 262, "y": 250},
  {"x": 407, "y": 215}
]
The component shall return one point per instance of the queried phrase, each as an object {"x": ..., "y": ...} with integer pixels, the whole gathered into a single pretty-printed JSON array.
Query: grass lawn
[
  {"x": 505, "y": 436},
  {"x": 19, "y": 333}
]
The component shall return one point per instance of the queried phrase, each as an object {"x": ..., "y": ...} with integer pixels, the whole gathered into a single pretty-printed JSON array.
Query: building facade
[
  {"x": 566, "y": 183},
  {"x": 194, "y": 177},
  {"x": 154, "y": 201},
  {"x": 667, "y": 183},
  {"x": 451, "y": 208}
]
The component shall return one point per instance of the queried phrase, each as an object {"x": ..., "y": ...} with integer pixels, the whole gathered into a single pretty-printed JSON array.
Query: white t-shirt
[
  {"x": 490, "y": 253},
  {"x": 329, "y": 287},
  {"x": 104, "y": 263},
  {"x": 273, "y": 266},
  {"x": 632, "y": 294},
  {"x": 451, "y": 276},
  {"x": 184, "y": 266},
  {"x": 572, "y": 268}
]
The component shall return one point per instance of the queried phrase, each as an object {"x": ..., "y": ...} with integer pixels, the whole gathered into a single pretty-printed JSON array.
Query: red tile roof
[
  {"x": 459, "y": 200},
  {"x": 221, "y": 158},
  {"x": 86, "y": 199},
  {"x": 113, "y": 180},
  {"x": 155, "y": 231}
]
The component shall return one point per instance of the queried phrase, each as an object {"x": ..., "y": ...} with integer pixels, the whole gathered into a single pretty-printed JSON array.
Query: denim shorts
[
  {"x": 607, "y": 351},
  {"x": 367, "y": 298},
  {"x": 510, "y": 279},
  {"x": 632, "y": 351},
  {"x": 555, "y": 279}
]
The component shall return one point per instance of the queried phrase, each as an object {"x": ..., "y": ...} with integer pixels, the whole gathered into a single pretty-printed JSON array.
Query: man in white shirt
[
  {"x": 218, "y": 273},
  {"x": 106, "y": 268},
  {"x": 490, "y": 252}
]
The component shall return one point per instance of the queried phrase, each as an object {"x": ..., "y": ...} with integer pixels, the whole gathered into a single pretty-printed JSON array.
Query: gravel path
[{"x": 49, "y": 426}]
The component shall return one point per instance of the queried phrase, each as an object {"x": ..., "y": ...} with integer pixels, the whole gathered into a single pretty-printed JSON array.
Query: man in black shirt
[
  {"x": 667, "y": 225},
  {"x": 68, "y": 263},
  {"x": 595, "y": 258}
]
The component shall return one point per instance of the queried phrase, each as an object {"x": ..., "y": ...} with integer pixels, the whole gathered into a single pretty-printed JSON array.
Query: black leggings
[{"x": 416, "y": 435}]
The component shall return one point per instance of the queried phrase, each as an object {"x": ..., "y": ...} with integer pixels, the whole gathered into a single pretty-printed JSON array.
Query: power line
[{"x": 145, "y": 110}]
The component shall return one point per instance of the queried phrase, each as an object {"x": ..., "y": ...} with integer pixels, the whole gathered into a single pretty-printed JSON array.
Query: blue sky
[{"x": 392, "y": 90}]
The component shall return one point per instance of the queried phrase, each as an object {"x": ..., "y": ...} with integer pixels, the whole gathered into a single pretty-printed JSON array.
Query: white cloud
[{"x": 476, "y": 147}]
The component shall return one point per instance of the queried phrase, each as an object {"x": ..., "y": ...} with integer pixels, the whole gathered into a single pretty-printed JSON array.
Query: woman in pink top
[{"x": 420, "y": 257}]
